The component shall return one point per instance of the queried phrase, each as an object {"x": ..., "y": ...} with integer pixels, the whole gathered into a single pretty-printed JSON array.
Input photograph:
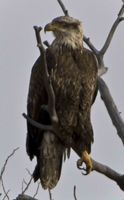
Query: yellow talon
[{"x": 85, "y": 158}]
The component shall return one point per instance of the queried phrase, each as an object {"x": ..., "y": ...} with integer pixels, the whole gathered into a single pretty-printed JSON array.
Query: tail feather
[{"x": 50, "y": 160}]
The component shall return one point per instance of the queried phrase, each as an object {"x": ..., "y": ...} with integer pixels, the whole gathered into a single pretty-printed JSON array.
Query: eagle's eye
[{"x": 63, "y": 24}]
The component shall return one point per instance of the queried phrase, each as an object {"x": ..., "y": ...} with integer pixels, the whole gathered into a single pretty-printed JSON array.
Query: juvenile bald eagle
[{"x": 73, "y": 71}]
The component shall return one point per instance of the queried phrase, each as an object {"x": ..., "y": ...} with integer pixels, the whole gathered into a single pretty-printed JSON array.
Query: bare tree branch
[
  {"x": 6, "y": 161},
  {"x": 110, "y": 173},
  {"x": 29, "y": 172},
  {"x": 111, "y": 108},
  {"x": 38, "y": 185},
  {"x": 47, "y": 80},
  {"x": 2, "y": 172},
  {"x": 63, "y": 7},
  {"x": 74, "y": 192},
  {"x": 4, "y": 190},
  {"x": 112, "y": 31},
  {"x": 50, "y": 194},
  {"x": 40, "y": 126},
  {"x": 27, "y": 184}
]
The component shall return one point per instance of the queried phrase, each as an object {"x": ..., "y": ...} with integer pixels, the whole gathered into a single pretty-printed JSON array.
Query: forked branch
[
  {"x": 6, "y": 161},
  {"x": 112, "y": 31}
]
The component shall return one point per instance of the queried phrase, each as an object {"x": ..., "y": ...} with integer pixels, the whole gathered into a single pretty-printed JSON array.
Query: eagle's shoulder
[{"x": 87, "y": 60}]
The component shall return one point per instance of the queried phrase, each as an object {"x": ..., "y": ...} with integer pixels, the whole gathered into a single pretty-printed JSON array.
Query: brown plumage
[{"x": 73, "y": 71}]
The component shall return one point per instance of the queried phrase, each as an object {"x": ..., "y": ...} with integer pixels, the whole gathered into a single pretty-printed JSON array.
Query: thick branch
[
  {"x": 110, "y": 173},
  {"x": 111, "y": 108}
]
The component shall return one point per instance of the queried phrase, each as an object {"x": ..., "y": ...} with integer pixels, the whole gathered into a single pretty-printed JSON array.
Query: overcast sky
[{"x": 18, "y": 52}]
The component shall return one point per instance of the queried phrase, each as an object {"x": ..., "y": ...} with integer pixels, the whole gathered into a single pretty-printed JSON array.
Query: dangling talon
[
  {"x": 79, "y": 164},
  {"x": 88, "y": 162}
]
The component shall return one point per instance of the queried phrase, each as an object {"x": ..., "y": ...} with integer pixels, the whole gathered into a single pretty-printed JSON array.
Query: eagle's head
[{"x": 68, "y": 32}]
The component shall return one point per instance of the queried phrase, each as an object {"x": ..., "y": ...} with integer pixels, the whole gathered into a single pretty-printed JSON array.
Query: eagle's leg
[{"x": 85, "y": 158}]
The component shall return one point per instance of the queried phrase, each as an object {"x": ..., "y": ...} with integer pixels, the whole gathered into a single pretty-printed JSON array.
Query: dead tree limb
[
  {"x": 38, "y": 185},
  {"x": 74, "y": 193},
  {"x": 63, "y": 7},
  {"x": 4, "y": 190},
  {"x": 50, "y": 194},
  {"x": 27, "y": 185},
  {"x": 6, "y": 161},
  {"x": 110, "y": 173},
  {"x": 3, "y": 171},
  {"x": 111, "y": 108},
  {"x": 46, "y": 78},
  {"x": 112, "y": 31}
]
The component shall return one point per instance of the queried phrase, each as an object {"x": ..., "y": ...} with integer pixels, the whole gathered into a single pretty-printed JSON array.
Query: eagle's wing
[
  {"x": 36, "y": 98},
  {"x": 87, "y": 64},
  {"x": 44, "y": 145}
]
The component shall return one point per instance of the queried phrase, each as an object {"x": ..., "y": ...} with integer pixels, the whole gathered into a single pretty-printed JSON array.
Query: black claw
[
  {"x": 85, "y": 172},
  {"x": 81, "y": 168}
]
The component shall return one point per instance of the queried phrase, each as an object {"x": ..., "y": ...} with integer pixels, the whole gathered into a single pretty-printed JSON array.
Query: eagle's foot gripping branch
[{"x": 85, "y": 158}]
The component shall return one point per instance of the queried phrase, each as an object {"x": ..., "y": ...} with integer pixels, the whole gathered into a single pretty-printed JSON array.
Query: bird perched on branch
[{"x": 73, "y": 72}]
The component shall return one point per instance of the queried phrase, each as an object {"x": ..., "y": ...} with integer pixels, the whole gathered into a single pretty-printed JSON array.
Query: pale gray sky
[{"x": 18, "y": 52}]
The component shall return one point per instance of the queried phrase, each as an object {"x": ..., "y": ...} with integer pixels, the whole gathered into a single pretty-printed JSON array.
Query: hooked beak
[{"x": 50, "y": 27}]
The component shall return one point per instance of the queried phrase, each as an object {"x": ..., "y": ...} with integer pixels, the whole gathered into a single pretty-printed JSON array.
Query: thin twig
[
  {"x": 74, "y": 192},
  {"x": 4, "y": 190},
  {"x": 50, "y": 194},
  {"x": 38, "y": 185},
  {"x": 29, "y": 172},
  {"x": 6, "y": 195},
  {"x": 27, "y": 186},
  {"x": 6, "y": 161},
  {"x": 112, "y": 31}
]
